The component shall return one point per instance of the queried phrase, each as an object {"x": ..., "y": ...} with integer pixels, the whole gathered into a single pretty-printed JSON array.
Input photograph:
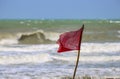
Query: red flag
[{"x": 70, "y": 40}]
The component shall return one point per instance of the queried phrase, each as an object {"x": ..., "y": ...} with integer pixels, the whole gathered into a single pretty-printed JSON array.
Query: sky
[{"x": 59, "y": 9}]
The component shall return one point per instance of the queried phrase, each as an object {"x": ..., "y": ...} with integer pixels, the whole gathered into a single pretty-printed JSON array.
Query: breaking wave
[
  {"x": 41, "y": 37},
  {"x": 37, "y": 37}
]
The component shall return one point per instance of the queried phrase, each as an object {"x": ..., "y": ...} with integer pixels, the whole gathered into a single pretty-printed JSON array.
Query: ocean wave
[
  {"x": 42, "y": 37},
  {"x": 100, "y": 47},
  {"x": 28, "y": 48},
  {"x": 90, "y": 52},
  {"x": 35, "y": 37},
  {"x": 45, "y": 57},
  {"x": 89, "y": 59},
  {"x": 22, "y": 59},
  {"x": 85, "y": 48},
  {"x": 114, "y": 21}
]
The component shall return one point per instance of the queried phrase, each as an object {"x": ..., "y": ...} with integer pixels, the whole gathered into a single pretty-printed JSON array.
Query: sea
[{"x": 28, "y": 50}]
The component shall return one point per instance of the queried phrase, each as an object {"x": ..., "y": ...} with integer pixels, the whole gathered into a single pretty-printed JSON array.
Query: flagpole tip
[{"x": 83, "y": 25}]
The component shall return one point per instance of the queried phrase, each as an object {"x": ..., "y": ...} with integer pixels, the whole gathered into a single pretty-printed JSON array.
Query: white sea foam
[
  {"x": 52, "y": 35},
  {"x": 27, "y": 48},
  {"x": 90, "y": 52},
  {"x": 43, "y": 58},
  {"x": 20, "y": 59},
  {"x": 85, "y": 47},
  {"x": 118, "y": 34},
  {"x": 89, "y": 59},
  {"x": 8, "y": 41},
  {"x": 100, "y": 47},
  {"x": 21, "y": 22},
  {"x": 119, "y": 31},
  {"x": 114, "y": 21}
]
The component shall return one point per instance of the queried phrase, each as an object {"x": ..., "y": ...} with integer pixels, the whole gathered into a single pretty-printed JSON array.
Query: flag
[{"x": 69, "y": 41}]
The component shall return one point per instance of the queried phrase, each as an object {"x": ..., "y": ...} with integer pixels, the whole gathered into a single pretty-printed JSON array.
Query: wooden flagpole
[{"x": 78, "y": 56}]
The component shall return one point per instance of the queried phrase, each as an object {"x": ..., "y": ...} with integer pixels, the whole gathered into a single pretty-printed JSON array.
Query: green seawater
[{"x": 95, "y": 30}]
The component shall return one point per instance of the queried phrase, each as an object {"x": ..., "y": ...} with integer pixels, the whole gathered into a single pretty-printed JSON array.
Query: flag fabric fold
[{"x": 69, "y": 41}]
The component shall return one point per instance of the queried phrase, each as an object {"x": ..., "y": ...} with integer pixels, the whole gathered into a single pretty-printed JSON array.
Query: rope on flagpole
[{"x": 78, "y": 56}]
